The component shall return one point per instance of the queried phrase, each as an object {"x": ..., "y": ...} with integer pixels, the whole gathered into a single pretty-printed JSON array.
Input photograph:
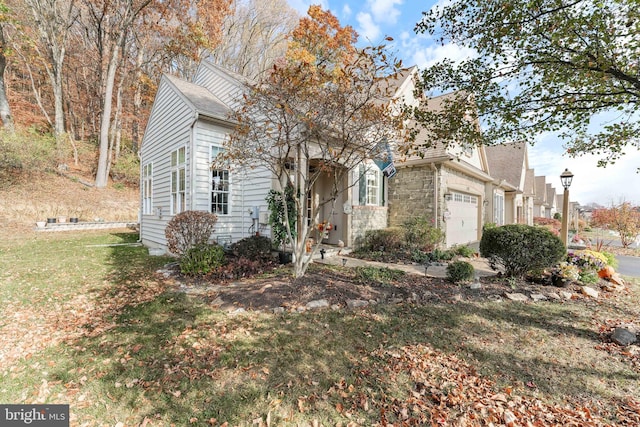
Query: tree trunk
[
  {"x": 5, "y": 110},
  {"x": 102, "y": 174}
]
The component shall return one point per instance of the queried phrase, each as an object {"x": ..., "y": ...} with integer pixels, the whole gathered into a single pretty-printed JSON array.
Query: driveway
[{"x": 628, "y": 265}]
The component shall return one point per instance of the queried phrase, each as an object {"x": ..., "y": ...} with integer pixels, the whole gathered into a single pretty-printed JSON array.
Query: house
[
  {"x": 540, "y": 200},
  {"x": 187, "y": 128},
  {"x": 446, "y": 184},
  {"x": 513, "y": 188}
]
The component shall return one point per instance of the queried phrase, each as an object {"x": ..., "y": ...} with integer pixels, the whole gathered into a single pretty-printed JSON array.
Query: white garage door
[{"x": 462, "y": 224}]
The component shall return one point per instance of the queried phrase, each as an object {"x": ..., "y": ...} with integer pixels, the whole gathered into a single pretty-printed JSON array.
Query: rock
[
  {"x": 590, "y": 292},
  {"x": 475, "y": 285},
  {"x": 237, "y": 311},
  {"x": 278, "y": 310},
  {"x": 566, "y": 295},
  {"x": 539, "y": 297},
  {"x": 616, "y": 279},
  {"x": 357, "y": 303},
  {"x": 335, "y": 307},
  {"x": 427, "y": 294},
  {"x": 623, "y": 336},
  {"x": 554, "y": 296},
  {"x": 218, "y": 302},
  {"x": 316, "y": 304},
  {"x": 516, "y": 297}
]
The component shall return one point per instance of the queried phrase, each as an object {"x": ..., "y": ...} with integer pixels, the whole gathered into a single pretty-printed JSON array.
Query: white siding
[
  {"x": 226, "y": 88},
  {"x": 248, "y": 187},
  {"x": 169, "y": 128}
]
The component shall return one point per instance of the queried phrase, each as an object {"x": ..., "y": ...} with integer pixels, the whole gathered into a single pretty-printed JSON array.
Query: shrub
[
  {"x": 611, "y": 259},
  {"x": 460, "y": 271},
  {"x": 382, "y": 275},
  {"x": 201, "y": 259},
  {"x": 463, "y": 251},
  {"x": 520, "y": 248},
  {"x": 254, "y": 248},
  {"x": 421, "y": 234},
  {"x": 127, "y": 168},
  {"x": 189, "y": 229},
  {"x": 391, "y": 239},
  {"x": 238, "y": 268}
]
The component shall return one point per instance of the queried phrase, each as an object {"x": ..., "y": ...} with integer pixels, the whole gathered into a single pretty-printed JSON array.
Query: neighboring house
[
  {"x": 188, "y": 125},
  {"x": 509, "y": 166},
  {"x": 446, "y": 185},
  {"x": 540, "y": 204},
  {"x": 552, "y": 202}
]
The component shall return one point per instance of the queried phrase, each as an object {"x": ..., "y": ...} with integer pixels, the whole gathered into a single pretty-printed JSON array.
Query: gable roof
[
  {"x": 202, "y": 101},
  {"x": 508, "y": 162},
  {"x": 541, "y": 190}
]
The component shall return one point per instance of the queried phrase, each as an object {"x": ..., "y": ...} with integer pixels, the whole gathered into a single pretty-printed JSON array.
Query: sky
[{"x": 376, "y": 19}]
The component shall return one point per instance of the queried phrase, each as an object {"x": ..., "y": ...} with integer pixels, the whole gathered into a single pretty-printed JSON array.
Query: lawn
[{"x": 87, "y": 321}]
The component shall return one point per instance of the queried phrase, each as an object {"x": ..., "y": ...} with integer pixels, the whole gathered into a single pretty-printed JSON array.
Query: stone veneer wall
[
  {"x": 365, "y": 218},
  {"x": 411, "y": 194}
]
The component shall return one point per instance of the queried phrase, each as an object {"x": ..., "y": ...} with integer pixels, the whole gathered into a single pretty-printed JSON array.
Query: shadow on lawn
[{"x": 169, "y": 357}]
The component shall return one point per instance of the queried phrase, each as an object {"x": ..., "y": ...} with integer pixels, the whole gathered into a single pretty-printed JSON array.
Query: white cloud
[
  {"x": 426, "y": 56},
  {"x": 368, "y": 30},
  {"x": 612, "y": 184},
  {"x": 384, "y": 11},
  {"x": 346, "y": 11}
]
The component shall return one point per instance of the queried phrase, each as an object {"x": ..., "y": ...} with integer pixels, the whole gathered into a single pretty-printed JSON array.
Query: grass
[{"x": 91, "y": 325}]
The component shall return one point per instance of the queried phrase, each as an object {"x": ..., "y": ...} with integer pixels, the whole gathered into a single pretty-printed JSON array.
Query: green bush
[
  {"x": 387, "y": 239},
  {"x": 201, "y": 259},
  {"x": 255, "y": 248},
  {"x": 382, "y": 275},
  {"x": 126, "y": 169},
  {"x": 460, "y": 271},
  {"x": 611, "y": 259},
  {"x": 189, "y": 229},
  {"x": 421, "y": 234},
  {"x": 520, "y": 249},
  {"x": 462, "y": 250}
]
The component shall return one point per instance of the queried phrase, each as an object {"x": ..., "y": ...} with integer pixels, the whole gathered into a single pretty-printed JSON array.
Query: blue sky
[{"x": 376, "y": 19}]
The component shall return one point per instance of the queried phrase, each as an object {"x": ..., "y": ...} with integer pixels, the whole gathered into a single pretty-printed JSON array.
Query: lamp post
[{"x": 566, "y": 177}]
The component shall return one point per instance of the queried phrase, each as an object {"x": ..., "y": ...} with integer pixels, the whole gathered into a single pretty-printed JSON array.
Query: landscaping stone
[
  {"x": 516, "y": 297},
  {"x": 316, "y": 304},
  {"x": 554, "y": 296},
  {"x": 475, "y": 285},
  {"x": 566, "y": 295},
  {"x": 539, "y": 297},
  {"x": 590, "y": 292},
  {"x": 278, "y": 310},
  {"x": 218, "y": 302},
  {"x": 356, "y": 303},
  {"x": 624, "y": 336}
]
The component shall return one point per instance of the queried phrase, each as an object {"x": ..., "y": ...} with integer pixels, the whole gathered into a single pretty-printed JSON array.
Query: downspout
[
  {"x": 192, "y": 166},
  {"x": 436, "y": 194}
]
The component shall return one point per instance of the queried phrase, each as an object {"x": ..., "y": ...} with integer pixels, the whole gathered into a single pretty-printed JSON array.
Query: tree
[
  {"x": 540, "y": 66},
  {"x": 254, "y": 36},
  {"x": 322, "y": 110},
  {"x": 623, "y": 218},
  {"x": 53, "y": 20},
  {"x": 5, "y": 109}
]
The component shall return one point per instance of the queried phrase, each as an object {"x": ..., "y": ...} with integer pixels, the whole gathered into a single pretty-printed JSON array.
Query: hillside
[{"x": 36, "y": 197}]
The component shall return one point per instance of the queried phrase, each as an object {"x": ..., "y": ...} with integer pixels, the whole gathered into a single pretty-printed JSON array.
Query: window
[
  {"x": 498, "y": 208},
  {"x": 371, "y": 186},
  {"x": 178, "y": 181},
  {"x": 219, "y": 186},
  {"x": 147, "y": 189}
]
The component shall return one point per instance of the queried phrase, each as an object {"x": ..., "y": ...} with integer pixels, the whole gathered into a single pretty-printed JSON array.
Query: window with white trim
[
  {"x": 178, "y": 181},
  {"x": 147, "y": 189},
  {"x": 371, "y": 186},
  {"x": 220, "y": 192},
  {"x": 498, "y": 208}
]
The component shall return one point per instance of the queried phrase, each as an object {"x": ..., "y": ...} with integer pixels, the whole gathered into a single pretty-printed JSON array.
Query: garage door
[{"x": 462, "y": 224}]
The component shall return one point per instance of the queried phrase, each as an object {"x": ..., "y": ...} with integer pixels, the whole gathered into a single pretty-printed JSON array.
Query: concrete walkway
[{"x": 440, "y": 270}]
